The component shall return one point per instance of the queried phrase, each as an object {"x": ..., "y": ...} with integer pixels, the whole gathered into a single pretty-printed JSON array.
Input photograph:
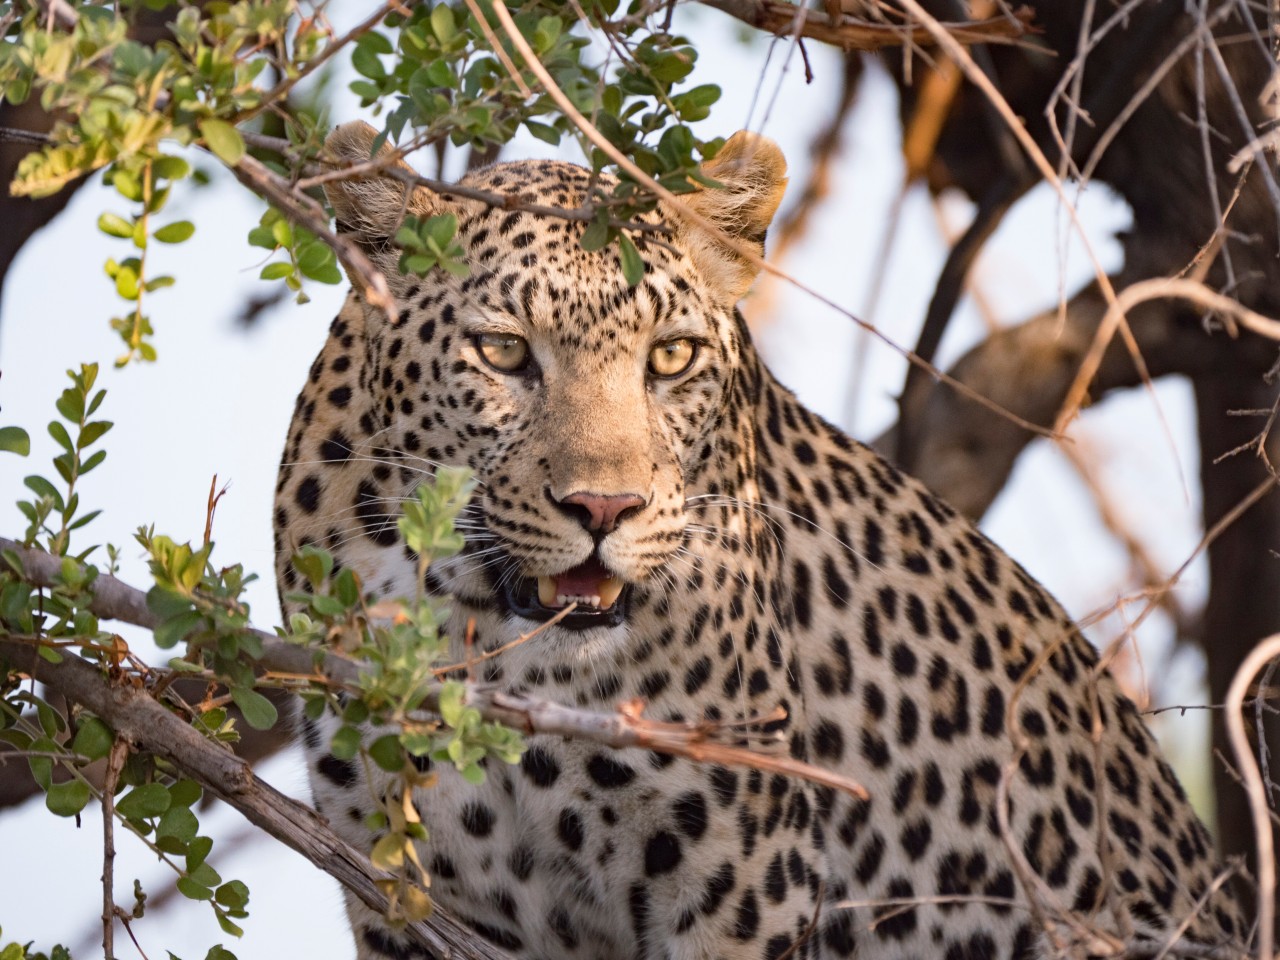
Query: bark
[{"x": 966, "y": 452}]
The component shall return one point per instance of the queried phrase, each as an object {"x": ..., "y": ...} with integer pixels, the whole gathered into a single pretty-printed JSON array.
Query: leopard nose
[{"x": 600, "y": 513}]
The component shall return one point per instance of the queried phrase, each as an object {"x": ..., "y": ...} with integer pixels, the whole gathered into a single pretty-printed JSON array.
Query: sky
[{"x": 219, "y": 400}]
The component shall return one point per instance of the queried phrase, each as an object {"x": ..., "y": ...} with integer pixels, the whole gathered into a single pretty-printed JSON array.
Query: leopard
[{"x": 657, "y": 520}]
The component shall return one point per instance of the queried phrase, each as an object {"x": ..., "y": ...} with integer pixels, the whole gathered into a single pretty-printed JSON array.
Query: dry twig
[
  {"x": 1256, "y": 788},
  {"x": 848, "y": 33},
  {"x": 115, "y": 763}
]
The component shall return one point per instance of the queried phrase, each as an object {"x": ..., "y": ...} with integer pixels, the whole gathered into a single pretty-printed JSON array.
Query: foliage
[
  {"x": 200, "y": 605},
  {"x": 21, "y": 951},
  {"x": 432, "y": 71}
]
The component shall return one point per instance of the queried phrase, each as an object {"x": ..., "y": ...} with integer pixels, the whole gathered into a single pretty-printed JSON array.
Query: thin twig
[
  {"x": 115, "y": 764},
  {"x": 779, "y": 17},
  {"x": 1256, "y": 788},
  {"x": 281, "y": 89},
  {"x": 1155, "y": 289}
]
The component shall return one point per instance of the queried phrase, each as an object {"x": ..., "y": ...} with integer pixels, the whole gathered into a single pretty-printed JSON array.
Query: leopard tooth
[
  {"x": 610, "y": 590},
  {"x": 547, "y": 592}
]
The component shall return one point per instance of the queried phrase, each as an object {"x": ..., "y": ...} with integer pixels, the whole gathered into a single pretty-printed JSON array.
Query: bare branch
[
  {"x": 849, "y": 33},
  {"x": 1141, "y": 292},
  {"x": 966, "y": 454},
  {"x": 115, "y": 763},
  {"x": 1256, "y": 788}
]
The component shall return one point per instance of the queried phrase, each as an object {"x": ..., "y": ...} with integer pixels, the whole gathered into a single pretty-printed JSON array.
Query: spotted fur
[{"x": 774, "y": 562}]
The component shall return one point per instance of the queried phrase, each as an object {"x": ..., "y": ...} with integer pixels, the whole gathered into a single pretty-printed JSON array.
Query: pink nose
[{"x": 597, "y": 512}]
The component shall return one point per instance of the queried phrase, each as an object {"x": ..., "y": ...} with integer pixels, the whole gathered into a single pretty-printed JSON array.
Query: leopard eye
[
  {"x": 505, "y": 352},
  {"x": 672, "y": 358}
]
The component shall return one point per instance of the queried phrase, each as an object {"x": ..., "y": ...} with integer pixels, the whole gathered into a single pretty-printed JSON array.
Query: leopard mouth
[{"x": 602, "y": 598}]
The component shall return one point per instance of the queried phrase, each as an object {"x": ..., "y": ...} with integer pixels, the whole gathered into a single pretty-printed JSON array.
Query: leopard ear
[
  {"x": 752, "y": 173},
  {"x": 370, "y": 208}
]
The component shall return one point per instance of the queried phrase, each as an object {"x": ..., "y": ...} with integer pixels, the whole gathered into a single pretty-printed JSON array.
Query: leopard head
[{"x": 590, "y": 411}]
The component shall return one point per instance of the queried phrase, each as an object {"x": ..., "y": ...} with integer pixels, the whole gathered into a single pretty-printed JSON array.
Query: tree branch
[
  {"x": 625, "y": 728},
  {"x": 965, "y": 453},
  {"x": 848, "y": 33},
  {"x": 132, "y": 713}
]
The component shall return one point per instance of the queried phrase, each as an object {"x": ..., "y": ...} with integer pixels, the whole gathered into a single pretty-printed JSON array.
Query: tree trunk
[{"x": 1244, "y": 570}]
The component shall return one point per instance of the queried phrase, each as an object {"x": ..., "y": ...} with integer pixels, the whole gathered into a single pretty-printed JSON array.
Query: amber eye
[
  {"x": 672, "y": 358},
  {"x": 505, "y": 352}
]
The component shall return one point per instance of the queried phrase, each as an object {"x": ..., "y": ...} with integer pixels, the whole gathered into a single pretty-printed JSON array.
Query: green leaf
[
  {"x": 144, "y": 801},
  {"x": 206, "y": 875},
  {"x": 42, "y": 767},
  {"x": 128, "y": 186},
  {"x": 345, "y": 743},
  {"x": 192, "y": 890},
  {"x": 197, "y": 850},
  {"x": 388, "y": 853},
  {"x": 93, "y": 739},
  {"x": 179, "y": 823},
  {"x": 259, "y": 712},
  {"x": 632, "y": 264},
  {"x": 367, "y": 63},
  {"x": 170, "y": 168},
  {"x": 171, "y": 631},
  {"x": 114, "y": 226},
  {"x": 93, "y": 431},
  {"x": 175, "y": 232},
  {"x": 67, "y": 799},
  {"x": 544, "y": 132},
  {"x": 442, "y": 23},
  {"x": 223, "y": 139},
  {"x": 60, "y": 435},
  {"x": 274, "y": 271},
  {"x": 451, "y": 706},
  {"x": 230, "y": 929},
  {"x": 387, "y": 753},
  {"x": 15, "y": 440},
  {"x": 233, "y": 894},
  {"x": 167, "y": 603},
  {"x": 184, "y": 793},
  {"x": 127, "y": 283},
  {"x": 595, "y": 236}
]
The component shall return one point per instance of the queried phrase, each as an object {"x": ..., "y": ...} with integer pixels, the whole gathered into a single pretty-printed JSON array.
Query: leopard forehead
[{"x": 529, "y": 270}]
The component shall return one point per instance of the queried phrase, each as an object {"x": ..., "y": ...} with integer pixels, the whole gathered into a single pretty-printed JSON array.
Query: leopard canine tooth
[
  {"x": 547, "y": 591},
  {"x": 610, "y": 588}
]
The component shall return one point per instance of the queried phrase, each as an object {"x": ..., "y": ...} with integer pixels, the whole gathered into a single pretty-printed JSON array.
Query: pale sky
[{"x": 219, "y": 401}]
